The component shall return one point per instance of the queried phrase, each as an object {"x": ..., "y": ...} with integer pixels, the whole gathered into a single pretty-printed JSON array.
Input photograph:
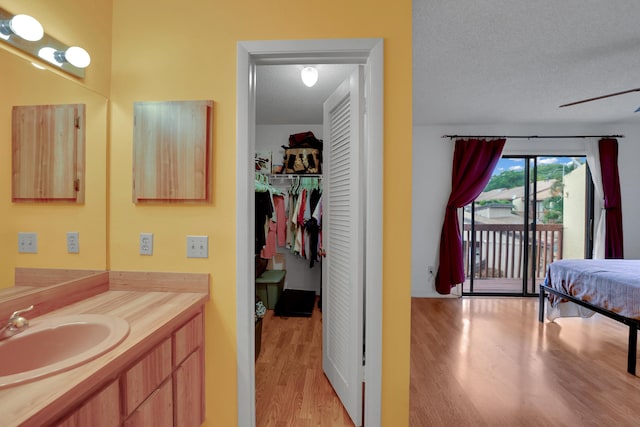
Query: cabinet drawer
[
  {"x": 101, "y": 410},
  {"x": 187, "y": 338},
  {"x": 146, "y": 375},
  {"x": 156, "y": 411}
]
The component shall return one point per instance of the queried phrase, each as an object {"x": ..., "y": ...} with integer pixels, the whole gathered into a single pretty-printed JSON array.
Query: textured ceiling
[
  {"x": 495, "y": 62},
  {"x": 508, "y": 61}
]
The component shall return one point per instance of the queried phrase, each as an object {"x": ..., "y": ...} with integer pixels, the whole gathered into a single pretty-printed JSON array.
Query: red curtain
[
  {"x": 473, "y": 163},
  {"x": 613, "y": 242}
]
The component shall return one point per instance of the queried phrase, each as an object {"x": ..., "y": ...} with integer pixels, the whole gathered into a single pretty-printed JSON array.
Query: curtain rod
[{"x": 532, "y": 136}]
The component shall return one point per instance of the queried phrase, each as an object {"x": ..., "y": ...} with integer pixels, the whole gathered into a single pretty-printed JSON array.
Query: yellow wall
[
  {"x": 170, "y": 50},
  {"x": 23, "y": 84}
]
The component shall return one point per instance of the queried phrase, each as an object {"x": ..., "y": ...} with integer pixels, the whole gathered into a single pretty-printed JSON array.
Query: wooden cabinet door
[
  {"x": 146, "y": 375},
  {"x": 187, "y": 339},
  {"x": 156, "y": 411},
  {"x": 172, "y": 151},
  {"x": 48, "y": 152},
  {"x": 101, "y": 410},
  {"x": 189, "y": 392}
]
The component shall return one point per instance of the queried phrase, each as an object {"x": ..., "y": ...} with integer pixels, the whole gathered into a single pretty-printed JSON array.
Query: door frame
[{"x": 326, "y": 51}]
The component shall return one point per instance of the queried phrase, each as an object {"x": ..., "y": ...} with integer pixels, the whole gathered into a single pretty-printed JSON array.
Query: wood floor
[
  {"x": 291, "y": 389},
  {"x": 488, "y": 362},
  {"x": 474, "y": 362}
]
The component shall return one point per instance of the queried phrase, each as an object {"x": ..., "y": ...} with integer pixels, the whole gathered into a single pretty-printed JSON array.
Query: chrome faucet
[{"x": 15, "y": 324}]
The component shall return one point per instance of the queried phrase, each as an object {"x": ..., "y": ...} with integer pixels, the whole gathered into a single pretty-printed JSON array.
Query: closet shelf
[{"x": 294, "y": 175}]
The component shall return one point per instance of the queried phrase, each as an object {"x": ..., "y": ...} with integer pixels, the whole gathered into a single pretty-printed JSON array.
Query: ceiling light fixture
[
  {"x": 24, "y": 26},
  {"x": 309, "y": 76}
]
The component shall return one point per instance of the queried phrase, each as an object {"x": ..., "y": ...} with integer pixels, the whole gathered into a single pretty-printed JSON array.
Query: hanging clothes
[
  {"x": 276, "y": 231},
  {"x": 312, "y": 225},
  {"x": 264, "y": 210},
  {"x": 269, "y": 249},
  {"x": 295, "y": 221},
  {"x": 291, "y": 226},
  {"x": 279, "y": 203},
  {"x": 265, "y": 213}
]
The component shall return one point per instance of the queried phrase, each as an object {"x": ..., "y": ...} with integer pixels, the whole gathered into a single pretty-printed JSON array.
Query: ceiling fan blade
[{"x": 601, "y": 97}]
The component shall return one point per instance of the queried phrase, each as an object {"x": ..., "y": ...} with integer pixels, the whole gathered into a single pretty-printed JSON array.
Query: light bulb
[
  {"x": 49, "y": 55},
  {"x": 78, "y": 57},
  {"x": 26, "y": 27},
  {"x": 309, "y": 76}
]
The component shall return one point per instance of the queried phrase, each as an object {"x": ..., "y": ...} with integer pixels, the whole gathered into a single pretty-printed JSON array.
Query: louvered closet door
[{"x": 343, "y": 226}]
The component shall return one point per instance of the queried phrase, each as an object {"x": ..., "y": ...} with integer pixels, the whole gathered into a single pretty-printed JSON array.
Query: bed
[{"x": 609, "y": 287}]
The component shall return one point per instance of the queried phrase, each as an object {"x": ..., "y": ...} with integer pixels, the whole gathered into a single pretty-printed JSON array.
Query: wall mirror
[{"x": 22, "y": 85}]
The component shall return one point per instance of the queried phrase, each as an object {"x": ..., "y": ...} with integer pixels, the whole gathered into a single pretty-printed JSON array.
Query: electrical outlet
[
  {"x": 73, "y": 242},
  {"x": 146, "y": 243},
  {"x": 197, "y": 246},
  {"x": 28, "y": 243}
]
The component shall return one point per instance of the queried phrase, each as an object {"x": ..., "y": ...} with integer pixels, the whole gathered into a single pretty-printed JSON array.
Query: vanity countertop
[{"x": 151, "y": 315}]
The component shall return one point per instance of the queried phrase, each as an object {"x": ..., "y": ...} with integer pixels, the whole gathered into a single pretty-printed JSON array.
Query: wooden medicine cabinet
[
  {"x": 172, "y": 151},
  {"x": 48, "y": 153}
]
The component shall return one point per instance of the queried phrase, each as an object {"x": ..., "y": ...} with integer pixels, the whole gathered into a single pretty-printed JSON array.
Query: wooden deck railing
[{"x": 499, "y": 249}]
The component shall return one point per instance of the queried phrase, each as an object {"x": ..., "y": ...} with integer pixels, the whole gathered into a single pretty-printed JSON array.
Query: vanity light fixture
[
  {"x": 309, "y": 76},
  {"x": 24, "y": 26},
  {"x": 39, "y": 44}
]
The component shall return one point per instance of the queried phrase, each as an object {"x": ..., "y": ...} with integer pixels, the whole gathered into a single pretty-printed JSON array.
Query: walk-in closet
[{"x": 289, "y": 178}]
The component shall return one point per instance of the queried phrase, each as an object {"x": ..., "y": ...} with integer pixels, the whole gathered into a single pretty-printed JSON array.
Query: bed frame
[{"x": 633, "y": 324}]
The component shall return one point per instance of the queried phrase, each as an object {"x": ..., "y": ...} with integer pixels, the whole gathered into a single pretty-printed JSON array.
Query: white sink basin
[{"x": 53, "y": 345}]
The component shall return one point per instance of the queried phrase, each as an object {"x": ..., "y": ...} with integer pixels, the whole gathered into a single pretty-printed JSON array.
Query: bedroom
[{"x": 503, "y": 69}]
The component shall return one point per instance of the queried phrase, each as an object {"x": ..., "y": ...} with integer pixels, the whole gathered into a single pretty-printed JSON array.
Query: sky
[{"x": 517, "y": 164}]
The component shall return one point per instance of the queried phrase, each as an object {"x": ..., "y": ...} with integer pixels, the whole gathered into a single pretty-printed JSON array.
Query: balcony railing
[{"x": 498, "y": 250}]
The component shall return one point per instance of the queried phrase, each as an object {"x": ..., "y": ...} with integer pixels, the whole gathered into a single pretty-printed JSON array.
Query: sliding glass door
[{"x": 531, "y": 213}]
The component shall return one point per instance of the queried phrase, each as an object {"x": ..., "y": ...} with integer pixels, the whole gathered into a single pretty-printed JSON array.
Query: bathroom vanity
[{"x": 153, "y": 377}]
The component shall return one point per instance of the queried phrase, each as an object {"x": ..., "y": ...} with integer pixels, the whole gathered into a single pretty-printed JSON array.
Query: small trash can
[{"x": 269, "y": 286}]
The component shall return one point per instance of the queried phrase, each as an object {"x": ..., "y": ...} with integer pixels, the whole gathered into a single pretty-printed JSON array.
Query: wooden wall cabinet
[
  {"x": 48, "y": 153},
  {"x": 172, "y": 146}
]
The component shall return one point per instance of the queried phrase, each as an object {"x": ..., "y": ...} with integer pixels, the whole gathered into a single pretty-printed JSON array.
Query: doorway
[
  {"x": 251, "y": 54},
  {"x": 289, "y": 361}
]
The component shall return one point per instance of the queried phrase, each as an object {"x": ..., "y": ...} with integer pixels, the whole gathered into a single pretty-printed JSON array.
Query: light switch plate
[
  {"x": 197, "y": 246},
  {"x": 146, "y": 243},
  {"x": 73, "y": 242},
  {"x": 28, "y": 243}
]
